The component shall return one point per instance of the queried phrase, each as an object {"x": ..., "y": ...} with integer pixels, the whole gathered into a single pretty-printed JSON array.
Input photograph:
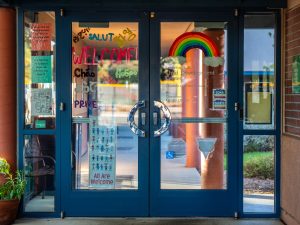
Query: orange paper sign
[{"x": 41, "y": 36}]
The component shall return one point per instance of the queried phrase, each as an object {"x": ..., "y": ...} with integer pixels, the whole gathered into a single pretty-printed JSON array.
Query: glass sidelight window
[
  {"x": 104, "y": 88},
  {"x": 39, "y": 73},
  {"x": 39, "y": 167},
  {"x": 259, "y": 173},
  {"x": 259, "y": 87},
  {"x": 193, "y": 84},
  {"x": 39, "y": 99},
  {"x": 259, "y": 76}
]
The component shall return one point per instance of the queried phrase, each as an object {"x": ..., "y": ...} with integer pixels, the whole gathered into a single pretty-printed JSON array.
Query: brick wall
[
  {"x": 292, "y": 48},
  {"x": 290, "y": 150}
]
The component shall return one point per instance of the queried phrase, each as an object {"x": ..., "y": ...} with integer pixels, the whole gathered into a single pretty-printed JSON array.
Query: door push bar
[{"x": 141, "y": 104}]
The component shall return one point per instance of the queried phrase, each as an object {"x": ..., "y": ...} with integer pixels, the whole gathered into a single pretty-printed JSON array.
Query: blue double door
[{"x": 148, "y": 118}]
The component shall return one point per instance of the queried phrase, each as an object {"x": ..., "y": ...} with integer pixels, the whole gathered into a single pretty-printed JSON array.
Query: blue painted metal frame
[
  {"x": 22, "y": 131},
  {"x": 62, "y": 95},
  {"x": 113, "y": 202},
  {"x": 194, "y": 202},
  {"x": 150, "y": 5},
  {"x": 276, "y": 131}
]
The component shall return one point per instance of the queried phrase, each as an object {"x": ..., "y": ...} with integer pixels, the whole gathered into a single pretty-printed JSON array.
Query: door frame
[
  {"x": 276, "y": 131},
  {"x": 60, "y": 19}
]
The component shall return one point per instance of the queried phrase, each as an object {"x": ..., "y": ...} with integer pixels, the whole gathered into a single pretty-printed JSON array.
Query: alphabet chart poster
[
  {"x": 41, "y": 101},
  {"x": 102, "y": 154}
]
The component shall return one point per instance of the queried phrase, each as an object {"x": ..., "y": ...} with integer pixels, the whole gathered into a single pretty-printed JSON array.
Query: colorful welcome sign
[{"x": 192, "y": 40}]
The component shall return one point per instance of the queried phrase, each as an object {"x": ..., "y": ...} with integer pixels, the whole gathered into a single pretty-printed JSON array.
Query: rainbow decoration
[{"x": 191, "y": 40}]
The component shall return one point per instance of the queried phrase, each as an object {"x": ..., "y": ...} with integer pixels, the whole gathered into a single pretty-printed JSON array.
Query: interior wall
[{"x": 290, "y": 150}]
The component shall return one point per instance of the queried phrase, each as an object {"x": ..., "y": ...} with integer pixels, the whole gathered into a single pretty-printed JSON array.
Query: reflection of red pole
[
  {"x": 212, "y": 168},
  {"x": 190, "y": 104}
]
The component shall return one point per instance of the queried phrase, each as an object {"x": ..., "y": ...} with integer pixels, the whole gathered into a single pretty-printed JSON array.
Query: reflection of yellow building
[{"x": 259, "y": 102}]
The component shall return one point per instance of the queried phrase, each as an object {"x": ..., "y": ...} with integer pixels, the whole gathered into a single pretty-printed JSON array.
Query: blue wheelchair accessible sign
[{"x": 170, "y": 155}]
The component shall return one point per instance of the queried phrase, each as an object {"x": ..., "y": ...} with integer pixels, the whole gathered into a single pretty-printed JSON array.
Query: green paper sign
[
  {"x": 41, "y": 71},
  {"x": 296, "y": 75},
  {"x": 40, "y": 124}
]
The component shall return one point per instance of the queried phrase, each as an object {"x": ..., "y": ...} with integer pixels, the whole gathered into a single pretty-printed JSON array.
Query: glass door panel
[
  {"x": 105, "y": 152},
  {"x": 104, "y": 89},
  {"x": 194, "y": 145},
  {"x": 149, "y": 126},
  {"x": 193, "y": 85}
]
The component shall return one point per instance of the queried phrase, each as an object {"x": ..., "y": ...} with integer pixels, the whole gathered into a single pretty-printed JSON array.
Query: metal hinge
[
  {"x": 236, "y": 106},
  {"x": 62, "y": 12},
  {"x": 152, "y": 15},
  {"x": 62, "y": 106},
  {"x": 236, "y": 12},
  {"x": 62, "y": 214},
  {"x": 236, "y": 215}
]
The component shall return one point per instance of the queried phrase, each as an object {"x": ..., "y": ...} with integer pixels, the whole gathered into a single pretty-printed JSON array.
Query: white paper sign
[
  {"x": 41, "y": 102},
  {"x": 102, "y": 154},
  {"x": 219, "y": 99}
]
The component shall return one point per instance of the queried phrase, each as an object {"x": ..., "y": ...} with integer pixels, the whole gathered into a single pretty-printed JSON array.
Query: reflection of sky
[{"x": 258, "y": 49}]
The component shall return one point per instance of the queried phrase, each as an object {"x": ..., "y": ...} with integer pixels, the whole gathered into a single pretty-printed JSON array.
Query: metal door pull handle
[
  {"x": 133, "y": 127},
  {"x": 155, "y": 118},
  {"x": 143, "y": 116},
  {"x": 167, "y": 114}
]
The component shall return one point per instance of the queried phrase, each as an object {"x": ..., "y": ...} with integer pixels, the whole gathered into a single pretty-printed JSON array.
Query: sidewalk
[{"x": 147, "y": 221}]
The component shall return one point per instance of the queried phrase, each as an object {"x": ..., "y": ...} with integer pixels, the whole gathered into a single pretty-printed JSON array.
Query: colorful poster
[
  {"x": 41, "y": 71},
  {"x": 102, "y": 154},
  {"x": 41, "y": 102},
  {"x": 296, "y": 75},
  {"x": 219, "y": 99},
  {"x": 40, "y": 36}
]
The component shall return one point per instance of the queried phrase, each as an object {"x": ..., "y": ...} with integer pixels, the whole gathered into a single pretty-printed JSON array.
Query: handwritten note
[
  {"x": 126, "y": 36},
  {"x": 40, "y": 36},
  {"x": 81, "y": 34},
  {"x": 41, "y": 71}
]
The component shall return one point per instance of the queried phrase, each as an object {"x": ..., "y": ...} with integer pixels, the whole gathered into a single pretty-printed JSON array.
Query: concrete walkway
[{"x": 147, "y": 221}]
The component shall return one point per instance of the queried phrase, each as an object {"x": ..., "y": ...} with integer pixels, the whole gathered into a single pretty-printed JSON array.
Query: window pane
[
  {"x": 193, "y": 85},
  {"x": 259, "y": 173},
  {"x": 39, "y": 167},
  {"x": 259, "y": 76},
  {"x": 104, "y": 89},
  {"x": 39, "y": 74}
]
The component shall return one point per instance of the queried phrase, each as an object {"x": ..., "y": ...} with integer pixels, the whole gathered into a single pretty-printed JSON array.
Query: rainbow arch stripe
[{"x": 191, "y": 40}]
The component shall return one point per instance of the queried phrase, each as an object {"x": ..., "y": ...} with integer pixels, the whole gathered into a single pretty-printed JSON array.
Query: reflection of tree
[
  {"x": 254, "y": 143},
  {"x": 268, "y": 68},
  {"x": 118, "y": 73},
  {"x": 271, "y": 35},
  {"x": 27, "y": 60},
  {"x": 168, "y": 67}
]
